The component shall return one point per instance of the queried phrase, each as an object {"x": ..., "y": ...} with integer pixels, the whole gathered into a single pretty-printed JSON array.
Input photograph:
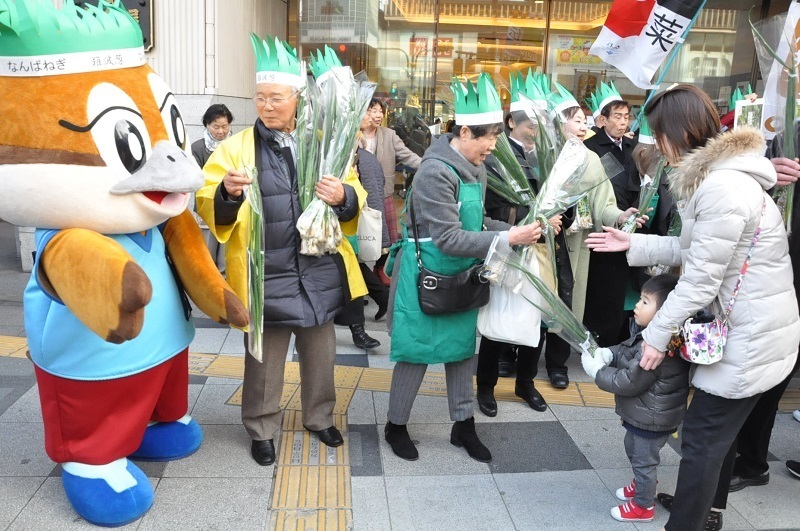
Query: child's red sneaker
[
  {"x": 630, "y": 512},
  {"x": 627, "y": 492}
]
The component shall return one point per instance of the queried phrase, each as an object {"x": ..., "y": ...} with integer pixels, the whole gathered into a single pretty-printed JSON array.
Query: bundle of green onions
[
  {"x": 329, "y": 117},
  {"x": 785, "y": 59},
  {"x": 508, "y": 179},
  {"x": 502, "y": 269},
  {"x": 648, "y": 192},
  {"x": 255, "y": 266}
]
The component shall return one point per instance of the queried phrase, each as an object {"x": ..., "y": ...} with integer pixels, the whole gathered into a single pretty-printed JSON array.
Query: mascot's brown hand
[
  {"x": 199, "y": 274},
  {"x": 98, "y": 281}
]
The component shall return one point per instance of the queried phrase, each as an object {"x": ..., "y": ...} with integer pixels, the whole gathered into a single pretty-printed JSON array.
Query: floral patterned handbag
[{"x": 703, "y": 335}]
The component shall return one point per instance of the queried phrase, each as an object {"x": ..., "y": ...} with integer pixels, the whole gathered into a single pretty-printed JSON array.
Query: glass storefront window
[{"x": 413, "y": 48}]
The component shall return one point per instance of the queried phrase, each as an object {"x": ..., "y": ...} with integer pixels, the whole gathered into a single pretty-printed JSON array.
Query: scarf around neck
[{"x": 211, "y": 142}]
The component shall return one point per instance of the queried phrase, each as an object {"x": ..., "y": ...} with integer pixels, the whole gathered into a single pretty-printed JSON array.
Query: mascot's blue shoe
[
  {"x": 107, "y": 495},
  {"x": 167, "y": 441}
]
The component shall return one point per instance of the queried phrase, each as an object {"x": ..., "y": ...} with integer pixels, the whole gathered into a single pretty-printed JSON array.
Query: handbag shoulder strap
[
  {"x": 756, "y": 234},
  {"x": 410, "y": 206}
]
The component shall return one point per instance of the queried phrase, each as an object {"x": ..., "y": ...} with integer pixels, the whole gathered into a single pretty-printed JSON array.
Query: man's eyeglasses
[{"x": 273, "y": 101}]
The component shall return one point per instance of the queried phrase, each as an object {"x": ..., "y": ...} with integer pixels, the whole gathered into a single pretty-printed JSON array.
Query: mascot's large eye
[
  {"x": 130, "y": 145},
  {"x": 168, "y": 106},
  {"x": 118, "y": 129}
]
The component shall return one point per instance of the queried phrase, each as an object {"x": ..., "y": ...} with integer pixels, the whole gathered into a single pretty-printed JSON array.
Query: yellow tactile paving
[
  {"x": 320, "y": 520},
  {"x": 293, "y": 421},
  {"x": 375, "y": 380},
  {"x": 13, "y": 347},
  {"x": 594, "y": 396},
  {"x": 312, "y": 487},
  {"x": 790, "y": 400},
  {"x": 198, "y": 363},
  {"x": 303, "y": 448},
  {"x": 347, "y": 376},
  {"x": 226, "y": 367}
]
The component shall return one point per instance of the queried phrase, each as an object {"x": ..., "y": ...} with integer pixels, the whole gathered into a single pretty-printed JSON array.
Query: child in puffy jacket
[{"x": 651, "y": 403}]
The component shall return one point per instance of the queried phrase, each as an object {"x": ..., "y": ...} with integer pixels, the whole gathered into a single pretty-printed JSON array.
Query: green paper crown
[
  {"x": 561, "y": 99},
  {"x": 38, "y": 39},
  {"x": 477, "y": 104},
  {"x": 276, "y": 62},
  {"x": 604, "y": 94},
  {"x": 540, "y": 80},
  {"x": 323, "y": 63},
  {"x": 645, "y": 133}
]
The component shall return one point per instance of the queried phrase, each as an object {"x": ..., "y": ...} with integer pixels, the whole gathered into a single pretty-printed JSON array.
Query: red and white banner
[{"x": 638, "y": 35}]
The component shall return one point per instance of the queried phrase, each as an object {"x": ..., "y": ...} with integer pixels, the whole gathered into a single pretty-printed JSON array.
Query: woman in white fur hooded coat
[{"x": 720, "y": 184}]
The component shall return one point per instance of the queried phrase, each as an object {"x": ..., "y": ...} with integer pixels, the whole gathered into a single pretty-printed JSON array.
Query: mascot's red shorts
[{"x": 96, "y": 422}]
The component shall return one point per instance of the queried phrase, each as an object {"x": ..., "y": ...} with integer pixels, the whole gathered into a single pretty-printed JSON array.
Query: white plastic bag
[
  {"x": 370, "y": 234},
  {"x": 509, "y": 317}
]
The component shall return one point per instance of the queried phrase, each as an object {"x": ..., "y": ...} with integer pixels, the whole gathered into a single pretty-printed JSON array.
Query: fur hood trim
[{"x": 745, "y": 143}]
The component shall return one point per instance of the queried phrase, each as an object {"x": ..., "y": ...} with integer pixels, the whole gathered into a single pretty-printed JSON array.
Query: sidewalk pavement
[{"x": 553, "y": 470}]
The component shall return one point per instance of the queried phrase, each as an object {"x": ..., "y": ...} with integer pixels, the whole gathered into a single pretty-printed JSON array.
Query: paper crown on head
[
  {"x": 541, "y": 80},
  {"x": 645, "y": 133},
  {"x": 561, "y": 99},
  {"x": 276, "y": 62},
  {"x": 477, "y": 104},
  {"x": 603, "y": 94},
  {"x": 38, "y": 39},
  {"x": 323, "y": 63},
  {"x": 738, "y": 95},
  {"x": 527, "y": 87}
]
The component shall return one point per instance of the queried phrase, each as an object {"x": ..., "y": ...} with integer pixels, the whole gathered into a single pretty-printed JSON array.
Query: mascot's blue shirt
[{"x": 61, "y": 345}]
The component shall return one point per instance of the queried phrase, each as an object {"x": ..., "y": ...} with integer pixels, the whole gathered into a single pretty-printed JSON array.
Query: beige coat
[
  {"x": 723, "y": 186},
  {"x": 603, "y": 205},
  {"x": 391, "y": 151}
]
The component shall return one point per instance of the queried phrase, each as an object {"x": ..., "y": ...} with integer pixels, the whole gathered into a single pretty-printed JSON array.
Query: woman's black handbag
[{"x": 442, "y": 294}]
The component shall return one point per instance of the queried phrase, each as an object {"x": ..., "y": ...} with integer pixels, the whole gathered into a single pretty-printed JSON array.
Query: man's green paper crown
[
  {"x": 32, "y": 28},
  {"x": 276, "y": 62},
  {"x": 324, "y": 62},
  {"x": 477, "y": 104},
  {"x": 541, "y": 80},
  {"x": 645, "y": 133},
  {"x": 561, "y": 99},
  {"x": 527, "y": 86},
  {"x": 604, "y": 94}
]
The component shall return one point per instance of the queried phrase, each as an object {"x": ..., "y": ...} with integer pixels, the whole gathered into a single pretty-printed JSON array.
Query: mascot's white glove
[{"x": 592, "y": 364}]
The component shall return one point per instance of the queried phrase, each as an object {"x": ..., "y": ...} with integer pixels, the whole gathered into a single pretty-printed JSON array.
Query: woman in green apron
[{"x": 447, "y": 198}]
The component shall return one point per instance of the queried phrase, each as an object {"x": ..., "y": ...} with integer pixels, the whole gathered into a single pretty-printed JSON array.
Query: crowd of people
[{"x": 717, "y": 189}]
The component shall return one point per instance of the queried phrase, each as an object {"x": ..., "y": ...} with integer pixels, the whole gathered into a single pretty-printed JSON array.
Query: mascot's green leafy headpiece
[
  {"x": 276, "y": 62},
  {"x": 477, "y": 104},
  {"x": 38, "y": 39}
]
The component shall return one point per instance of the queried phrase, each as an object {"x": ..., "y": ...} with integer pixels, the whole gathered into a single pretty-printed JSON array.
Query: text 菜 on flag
[{"x": 638, "y": 35}]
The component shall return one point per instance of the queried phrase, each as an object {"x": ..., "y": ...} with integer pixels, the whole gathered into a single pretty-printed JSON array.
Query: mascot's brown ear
[{"x": 108, "y": 295}]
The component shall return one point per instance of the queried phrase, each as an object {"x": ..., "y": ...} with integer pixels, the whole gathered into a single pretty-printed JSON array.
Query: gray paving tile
[
  {"x": 601, "y": 441},
  {"x": 23, "y": 450},
  {"x": 194, "y": 393},
  {"x": 370, "y": 506},
  {"x": 17, "y": 367},
  {"x": 26, "y": 409},
  {"x": 361, "y": 409},
  {"x": 456, "y": 502},
  {"x": 770, "y": 506},
  {"x": 234, "y": 343},
  {"x": 49, "y": 509},
  {"x": 582, "y": 413},
  {"x": 197, "y": 379},
  {"x": 619, "y": 477},
  {"x": 225, "y": 452},
  {"x": 530, "y": 447},
  {"x": 436, "y": 455},
  {"x": 514, "y": 411},
  {"x": 365, "y": 452},
  {"x": 344, "y": 342},
  {"x": 209, "y": 340},
  {"x": 426, "y": 410},
  {"x": 216, "y": 380},
  {"x": 558, "y": 501},
  {"x": 11, "y": 315},
  {"x": 210, "y": 503},
  {"x": 379, "y": 359},
  {"x": 210, "y": 407},
  {"x": 15, "y": 493}
]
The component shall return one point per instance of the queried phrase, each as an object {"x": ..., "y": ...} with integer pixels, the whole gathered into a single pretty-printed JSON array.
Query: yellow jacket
[{"x": 236, "y": 153}]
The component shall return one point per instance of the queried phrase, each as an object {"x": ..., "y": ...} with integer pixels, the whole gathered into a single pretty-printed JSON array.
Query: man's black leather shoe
[
  {"x": 329, "y": 436},
  {"x": 361, "y": 339},
  {"x": 529, "y": 394},
  {"x": 738, "y": 482},
  {"x": 560, "y": 380},
  {"x": 263, "y": 452},
  {"x": 487, "y": 403}
]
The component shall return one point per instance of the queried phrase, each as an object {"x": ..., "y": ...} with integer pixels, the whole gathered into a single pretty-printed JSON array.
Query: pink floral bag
[{"x": 704, "y": 334}]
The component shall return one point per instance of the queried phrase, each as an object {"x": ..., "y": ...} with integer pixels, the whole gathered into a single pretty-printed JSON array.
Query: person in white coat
[{"x": 719, "y": 183}]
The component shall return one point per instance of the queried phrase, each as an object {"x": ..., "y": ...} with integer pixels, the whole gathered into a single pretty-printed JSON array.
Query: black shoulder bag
[{"x": 442, "y": 294}]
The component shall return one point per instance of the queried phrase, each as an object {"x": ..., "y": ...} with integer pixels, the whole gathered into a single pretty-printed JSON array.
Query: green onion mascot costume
[{"x": 447, "y": 198}]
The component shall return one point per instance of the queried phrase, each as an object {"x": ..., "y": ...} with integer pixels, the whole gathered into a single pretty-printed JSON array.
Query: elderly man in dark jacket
[
  {"x": 302, "y": 294},
  {"x": 652, "y": 404}
]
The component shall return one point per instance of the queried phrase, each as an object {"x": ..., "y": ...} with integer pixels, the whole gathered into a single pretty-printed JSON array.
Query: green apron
[{"x": 416, "y": 336}]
